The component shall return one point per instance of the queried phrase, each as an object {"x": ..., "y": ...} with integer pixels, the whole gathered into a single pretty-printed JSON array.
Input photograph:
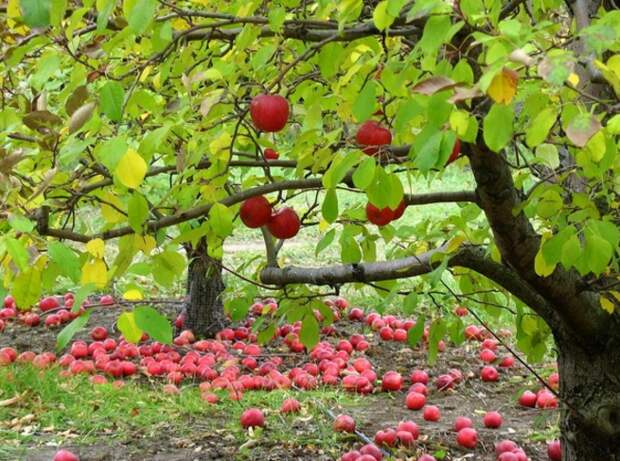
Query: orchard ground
[{"x": 139, "y": 421}]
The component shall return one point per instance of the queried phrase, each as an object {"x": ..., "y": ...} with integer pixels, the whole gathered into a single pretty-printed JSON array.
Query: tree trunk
[
  {"x": 590, "y": 392},
  {"x": 205, "y": 309}
]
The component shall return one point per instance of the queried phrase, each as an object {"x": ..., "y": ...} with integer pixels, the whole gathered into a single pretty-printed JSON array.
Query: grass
[{"x": 58, "y": 410}]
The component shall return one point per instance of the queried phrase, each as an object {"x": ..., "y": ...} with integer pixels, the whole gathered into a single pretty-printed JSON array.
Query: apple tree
[{"x": 138, "y": 130}]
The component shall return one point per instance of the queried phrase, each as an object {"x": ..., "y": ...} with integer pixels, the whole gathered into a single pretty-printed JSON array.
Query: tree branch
[{"x": 518, "y": 244}]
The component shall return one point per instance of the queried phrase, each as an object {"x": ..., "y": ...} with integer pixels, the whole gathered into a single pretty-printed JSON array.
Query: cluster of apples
[
  {"x": 60, "y": 306},
  {"x": 256, "y": 212}
]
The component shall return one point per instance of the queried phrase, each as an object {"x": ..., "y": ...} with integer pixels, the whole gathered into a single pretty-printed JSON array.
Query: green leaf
[
  {"x": 436, "y": 333},
  {"x": 27, "y": 288},
  {"x": 154, "y": 324},
  {"x": 330, "y": 206},
  {"x": 238, "y": 308},
  {"x": 410, "y": 303},
  {"x": 141, "y": 15},
  {"x": 414, "y": 335},
  {"x": 35, "y": 13},
  {"x": 81, "y": 294},
  {"x": 126, "y": 324},
  {"x": 325, "y": 241},
  {"x": 571, "y": 252},
  {"x": 309, "y": 333},
  {"x": 339, "y": 167},
  {"x": 20, "y": 223},
  {"x": 68, "y": 332},
  {"x": 381, "y": 17},
  {"x": 538, "y": 130},
  {"x": 349, "y": 249},
  {"x": 364, "y": 173},
  {"x": 498, "y": 127},
  {"x": 552, "y": 248},
  {"x": 111, "y": 97},
  {"x": 221, "y": 220},
  {"x": 66, "y": 259},
  {"x": 19, "y": 253},
  {"x": 598, "y": 252},
  {"x": 267, "y": 334},
  {"x": 105, "y": 8},
  {"x": 364, "y": 105},
  {"x": 137, "y": 211},
  {"x": 426, "y": 157}
]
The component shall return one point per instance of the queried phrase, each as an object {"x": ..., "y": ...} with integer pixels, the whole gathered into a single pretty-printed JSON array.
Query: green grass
[{"x": 93, "y": 412}]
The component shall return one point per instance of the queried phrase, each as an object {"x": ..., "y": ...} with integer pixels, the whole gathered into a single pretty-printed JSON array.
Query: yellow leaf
[
  {"x": 611, "y": 72},
  {"x": 541, "y": 266},
  {"x": 459, "y": 122},
  {"x": 133, "y": 295},
  {"x": 95, "y": 272},
  {"x": 607, "y": 305},
  {"x": 145, "y": 243},
  {"x": 616, "y": 295},
  {"x": 131, "y": 169},
  {"x": 573, "y": 79},
  {"x": 145, "y": 73},
  {"x": 503, "y": 87},
  {"x": 323, "y": 225},
  {"x": 220, "y": 143},
  {"x": 109, "y": 212},
  {"x": 96, "y": 248},
  {"x": 455, "y": 243}
]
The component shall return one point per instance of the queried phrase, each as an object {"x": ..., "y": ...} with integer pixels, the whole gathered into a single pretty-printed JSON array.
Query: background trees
[{"x": 126, "y": 136}]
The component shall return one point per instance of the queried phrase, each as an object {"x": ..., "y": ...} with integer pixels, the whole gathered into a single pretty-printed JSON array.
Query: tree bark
[
  {"x": 205, "y": 309},
  {"x": 590, "y": 394}
]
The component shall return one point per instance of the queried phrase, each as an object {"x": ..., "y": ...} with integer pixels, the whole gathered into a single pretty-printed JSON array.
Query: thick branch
[
  {"x": 468, "y": 256},
  {"x": 518, "y": 244}
]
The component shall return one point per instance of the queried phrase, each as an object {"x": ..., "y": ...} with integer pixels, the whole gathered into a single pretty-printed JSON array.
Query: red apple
[
  {"x": 489, "y": 374},
  {"x": 409, "y": 426},
  {"x": 467, "y": 437},
  {"x": 371, "y": 450},
  {"x": 405, "y": 438},
  {"x": 546, "y": 399},
  {"x": 252, "y": 417},
  {"x": 379, "y": 217},
  {"x": 255, "y": 212},
  {"x": 456, "y": 151},
  {"x": 290, "y": 406},
  {"x": 528, "y": 399},
  {"x": 461, "y": 311},
  {"x": 391, "y": 381},
  {"x": 351, "y": 456},
  {"x": 507, "y": 361},
  {"x": 284, "y": 224},
  {"x": 505, "y": 446},
  {"x": 400, "y": 335},
  {"x": 492, "y": 420},
  {"x": 419, "y": 376},
  {"x": 344, "y": 423},
  {"x": 48, "y": 303},
  {"x": 554, "y": 450},
  {"x": 373, "y": 135},
  {"x": 9, "y": 301},
  {"x": 356, "y": 314},
  {"x": 269, "y": 112},
  {"x": 431, "y": 413},
  {"x": 462, "y": 422},
  {"x": 271, "y": 154},
  {"x": 99, "y": 333},
  {"x": 427, "y": 458},
  {"x": 507, "y": 456},
  {"x": 487, "y": 356},
  {"x": 415, "y": 401},
  {"x": 65, "y": 455},
  {"x": 386, "y": 437},
  {"x": 106, "y": 300}
]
